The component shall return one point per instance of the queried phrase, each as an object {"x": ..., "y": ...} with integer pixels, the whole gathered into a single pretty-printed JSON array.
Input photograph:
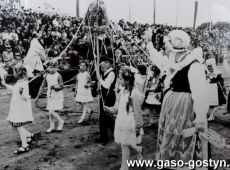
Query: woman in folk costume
[
  {"x": 185, "y": 104},
  {"x": 128, "y": 126}
]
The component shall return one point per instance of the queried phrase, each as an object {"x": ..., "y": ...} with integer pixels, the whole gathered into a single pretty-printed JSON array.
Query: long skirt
[{"x": 176, "y": 115}]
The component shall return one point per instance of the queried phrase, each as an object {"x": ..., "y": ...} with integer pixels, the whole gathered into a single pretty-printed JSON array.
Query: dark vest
[
  {"x": 180, "y": 82},
  {"x": 108, "y": 95}
]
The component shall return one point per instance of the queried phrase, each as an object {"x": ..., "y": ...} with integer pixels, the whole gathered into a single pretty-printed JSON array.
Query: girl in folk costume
[
  {"x": 128, "y": 126},
  {"x": 185, "y": 104},
  {"x": 153, "y": 93},
  {"x": 84, "y": 94},
  {"x": 55, "y": 98},
  {"x": 20, "y": 113}
]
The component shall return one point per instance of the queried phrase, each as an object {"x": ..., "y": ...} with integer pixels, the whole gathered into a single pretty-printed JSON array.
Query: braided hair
[{"x": 128, "y": 77}]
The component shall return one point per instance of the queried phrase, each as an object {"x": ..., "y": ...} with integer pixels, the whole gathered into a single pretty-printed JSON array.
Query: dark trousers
[
  {"x": 34, "y": 86},
  {"x": 106, "y": 122}
]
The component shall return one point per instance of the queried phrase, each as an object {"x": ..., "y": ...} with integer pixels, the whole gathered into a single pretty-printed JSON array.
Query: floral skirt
[{"x": 176, "y": 115}]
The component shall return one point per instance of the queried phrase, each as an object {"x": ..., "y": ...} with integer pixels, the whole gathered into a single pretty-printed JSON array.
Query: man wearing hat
[
  {"x": 108, "y": 98},
  {"x": 185, "y": 104}
]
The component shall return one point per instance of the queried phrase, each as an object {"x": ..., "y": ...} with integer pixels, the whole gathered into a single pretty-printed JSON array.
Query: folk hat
[{"x": 178, "y": 40}]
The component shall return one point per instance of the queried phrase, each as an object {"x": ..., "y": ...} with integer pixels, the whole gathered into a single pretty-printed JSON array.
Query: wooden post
[
  {"x": 129, "y": 10},
  {"x": 77, "y": 8},
  {"x": 154, "y": 12},
  {"x": 177, "y": 13},
  {"x": 195, "y": 14}
]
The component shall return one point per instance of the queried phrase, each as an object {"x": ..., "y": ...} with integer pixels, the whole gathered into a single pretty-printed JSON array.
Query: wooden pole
[
  {"x": 77, "y": 8},
  {"x": 129, "y": 11},
  {"x": 210, "y": 13},
  {"x": 195, "y": 14},
  {"x": 177, "y": 12},
  {"x": 154, "y": 12}
]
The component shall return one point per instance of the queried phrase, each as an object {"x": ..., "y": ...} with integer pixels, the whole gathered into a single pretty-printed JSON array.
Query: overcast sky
[{"x": 142, "y": 10}]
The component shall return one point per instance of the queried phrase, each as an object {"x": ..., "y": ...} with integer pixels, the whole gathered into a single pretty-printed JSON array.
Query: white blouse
[{"x": 196, "y": 77}]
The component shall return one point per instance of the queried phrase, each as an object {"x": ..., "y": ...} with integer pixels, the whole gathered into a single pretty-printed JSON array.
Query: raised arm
[{"x": 156, "y": 57}]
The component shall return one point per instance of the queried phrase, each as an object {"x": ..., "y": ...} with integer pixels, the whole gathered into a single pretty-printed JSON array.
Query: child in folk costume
[
  {"x": 153, "y": 94},
  {"x": 84, "y": 93},
  {"x": 55, "y": 98},
  {"x": 20, "y": 113},
  {"x": 128, "y": 126}
]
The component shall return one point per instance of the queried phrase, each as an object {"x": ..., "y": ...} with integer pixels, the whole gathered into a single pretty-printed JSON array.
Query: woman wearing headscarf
[{"x": 185, "y": 102}]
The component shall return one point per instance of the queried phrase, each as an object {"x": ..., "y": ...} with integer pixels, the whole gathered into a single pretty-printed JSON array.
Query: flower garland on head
[{"x": 128, "y": 75}]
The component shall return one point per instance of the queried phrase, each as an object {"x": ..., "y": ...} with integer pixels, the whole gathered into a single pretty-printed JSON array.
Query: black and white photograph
[{"x": 114, "y": 84}]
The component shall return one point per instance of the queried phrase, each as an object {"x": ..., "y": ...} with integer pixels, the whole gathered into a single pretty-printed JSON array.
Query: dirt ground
[{"x": 75, "y": 147}]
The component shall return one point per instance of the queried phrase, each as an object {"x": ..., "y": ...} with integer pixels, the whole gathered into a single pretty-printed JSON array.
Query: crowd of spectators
[
  {"x": 212, "y": 41},
  {"x": 19, "y": 27}
]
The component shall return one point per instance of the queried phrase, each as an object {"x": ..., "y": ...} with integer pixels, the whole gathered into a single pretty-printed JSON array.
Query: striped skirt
[{"x": 176, "y": 115}]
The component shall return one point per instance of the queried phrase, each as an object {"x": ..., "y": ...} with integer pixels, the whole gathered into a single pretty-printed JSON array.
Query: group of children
[
  {"x": 129, "y": 122},
  {"x": 128, "y": 129},
  {"x": 20, "y": 114}
]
